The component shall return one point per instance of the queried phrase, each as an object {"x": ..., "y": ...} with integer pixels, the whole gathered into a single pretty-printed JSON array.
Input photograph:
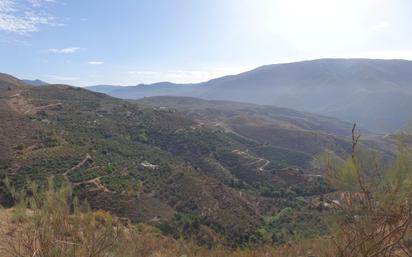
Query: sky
[{"x": 127, "y": 42}]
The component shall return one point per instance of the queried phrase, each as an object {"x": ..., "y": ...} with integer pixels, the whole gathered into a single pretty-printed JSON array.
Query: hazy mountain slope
[
  {"x": 234, "y": 113},
  {"x": 106, "y": 89},
  {"x": 271, "y": 126},
  {"x": 375, "y": 93}
]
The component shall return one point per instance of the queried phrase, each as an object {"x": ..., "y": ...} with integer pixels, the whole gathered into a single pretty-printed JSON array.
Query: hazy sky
[{"x": 86, "y": 42}]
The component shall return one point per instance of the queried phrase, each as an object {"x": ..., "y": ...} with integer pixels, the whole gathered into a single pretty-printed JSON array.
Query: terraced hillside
[
  {"x": 272, "y": 127},
  {"x": 152, "y": 164}
]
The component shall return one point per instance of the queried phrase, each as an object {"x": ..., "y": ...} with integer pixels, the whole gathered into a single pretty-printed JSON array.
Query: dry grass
[
  {"x": 17, "y": 238},
  {"x": 142, "y": 240}
]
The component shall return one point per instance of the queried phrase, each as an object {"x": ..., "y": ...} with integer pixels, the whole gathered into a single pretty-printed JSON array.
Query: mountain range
[
  {"x": 377, "y": 94},
  {"x": 227, "y": 168}
]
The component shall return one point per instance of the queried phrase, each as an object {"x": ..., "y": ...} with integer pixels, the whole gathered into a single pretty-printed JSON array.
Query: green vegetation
[
  {"x": 192, "y": 182},
  {"x": 48, "y": 221},
  {"x": 142, "y": 163},
  {"x": 373, "y": 211},
  {"x": 369, "y": 215}
]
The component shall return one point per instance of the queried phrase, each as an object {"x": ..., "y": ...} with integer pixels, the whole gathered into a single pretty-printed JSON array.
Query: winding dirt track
[
  {"x": 95, "y": 181},
  {"x": 254, "y": 160}
]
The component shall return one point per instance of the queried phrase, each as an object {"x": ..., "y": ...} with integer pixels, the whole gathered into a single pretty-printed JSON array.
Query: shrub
[
  {"x": 49, "y": 222},
  {"x": 373, "y": 207}
]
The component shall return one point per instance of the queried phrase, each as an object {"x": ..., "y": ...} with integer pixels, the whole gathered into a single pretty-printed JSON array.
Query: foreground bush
[
  {"x": 373, "y": 208},
  {"x": 49, "y": 223}
]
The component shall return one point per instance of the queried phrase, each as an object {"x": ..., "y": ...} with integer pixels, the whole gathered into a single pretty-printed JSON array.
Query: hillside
[
  {"x": 267, "y": 126},
  {"x": 153, "y": 165},
  {"x": 236, "y": 113},
  {"x": 273, "y": 127},
  {"x": 376, "y": 94}
]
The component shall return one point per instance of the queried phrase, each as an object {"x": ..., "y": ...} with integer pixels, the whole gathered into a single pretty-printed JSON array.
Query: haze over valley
[{"x": 374, "y": 93}]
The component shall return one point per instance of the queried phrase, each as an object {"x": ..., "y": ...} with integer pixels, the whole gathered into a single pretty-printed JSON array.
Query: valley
[{"x": 152, "y": 164}]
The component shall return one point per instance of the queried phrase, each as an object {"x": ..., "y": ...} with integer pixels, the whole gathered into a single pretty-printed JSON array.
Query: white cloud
[
  {"x": 181, "y": 76},
  {"x": 62, "y": 78},
  {"x": 137, "y": 73},
  {"x": 381, "y": 25},
  {"x": 6, "y": 6},
  {"x": 68, "y": 50},
  {"x": 39, "y": 3},
  {"x": 23, "y": 17},
  {"x": 405, "y": 54},
  {"x": 95, "y": 62}
]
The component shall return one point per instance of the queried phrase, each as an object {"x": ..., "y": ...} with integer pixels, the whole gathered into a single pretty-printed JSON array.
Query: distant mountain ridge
[
  {"x": 147, "y": 90},
  {"x": 375, "y": 93},
  {"x": 35, "y": 82}
]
